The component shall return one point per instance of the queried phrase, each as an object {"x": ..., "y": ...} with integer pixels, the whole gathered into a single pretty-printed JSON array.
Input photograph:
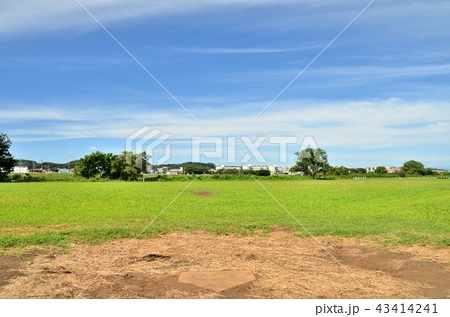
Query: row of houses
[
  {"x": 272, "y": 168},
  {"x": 390, "y": 169},
  {"x": 176, "y": 171},
  {"x": 285, "y": 169},
  {"x": 166, "y": 171},
  {"x": 24, "y": 169}
]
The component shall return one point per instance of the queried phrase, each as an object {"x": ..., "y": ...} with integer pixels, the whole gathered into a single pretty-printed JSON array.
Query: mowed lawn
[{"x": 393, "y": 211}]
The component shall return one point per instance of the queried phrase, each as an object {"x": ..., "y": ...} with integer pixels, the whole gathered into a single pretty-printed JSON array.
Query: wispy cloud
[
  {"x": 64, "y": 62},
  {"x": 352, "y": 74},
  {"x": 362, "y": 124},
  {"x": 30, "y": 16},
  {"x": 225, "y": 50},
  {"x": 33, "y": 113}
]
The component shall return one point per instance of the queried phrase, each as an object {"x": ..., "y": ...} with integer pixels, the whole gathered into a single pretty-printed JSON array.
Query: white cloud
[
  {"x": 23, "y": 113},
  {"x": 439, "y": 124},
  {"x": 30, "y": 16},
  {"x": 247, "y": 50},
  {"x": 329, "y": 76},
  {"x": 359, "y": 125},
  {"x": 48, "y": 15}
]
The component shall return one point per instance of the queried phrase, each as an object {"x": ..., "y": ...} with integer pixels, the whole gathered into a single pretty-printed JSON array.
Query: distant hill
[
  {"x": 445, "y": 169},
  {"x": 49, "y": 165},
  {"x": 46, "y": 165}
]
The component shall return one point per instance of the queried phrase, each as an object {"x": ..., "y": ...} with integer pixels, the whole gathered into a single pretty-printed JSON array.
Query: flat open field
[{"x": 373, "y": 238}]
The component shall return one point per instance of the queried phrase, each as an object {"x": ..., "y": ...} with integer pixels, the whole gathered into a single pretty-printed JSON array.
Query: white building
[
  {"x": 223, "y": 167},
  {"x": 175, "y": 171},
  {"x": 260, "y": 168},
  {"x": 283, "y": 170},
  {"x": 20, "y": 169}
]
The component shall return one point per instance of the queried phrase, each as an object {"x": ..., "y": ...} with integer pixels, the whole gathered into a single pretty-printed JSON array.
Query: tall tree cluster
[
  {"x": 125, "y": 166},
  {"x": 6, "y": 159}
]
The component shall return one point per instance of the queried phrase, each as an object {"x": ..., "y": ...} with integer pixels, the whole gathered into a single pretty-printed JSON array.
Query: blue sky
[{"x": 378, "y": 95}]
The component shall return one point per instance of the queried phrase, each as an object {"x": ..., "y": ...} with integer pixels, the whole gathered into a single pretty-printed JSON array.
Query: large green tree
[
  {"x": 128, "y": 166},
  {"x": 96, "y": 164},
  {"x": 6, "y": 159},
  {"x": 380, "y": 170},
  {"x": 310, "y": 161},
  {"x": 413, "y": 168}
]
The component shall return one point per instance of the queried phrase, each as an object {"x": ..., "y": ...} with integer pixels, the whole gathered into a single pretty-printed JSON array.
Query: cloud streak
[
  {"x": 29, "y": 16},
  {"x": 362, "y": 124},
  {"x": 249, "y": 50}
]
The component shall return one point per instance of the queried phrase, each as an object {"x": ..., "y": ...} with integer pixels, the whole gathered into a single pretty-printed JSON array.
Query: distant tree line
[
  {"x": 44, "y": 166},
  {"x": 131, "y": 166},
  {"x": 208, "y": 166},
  {"x": 231, "y": 171},
  {"x": 314, "y": 163}
]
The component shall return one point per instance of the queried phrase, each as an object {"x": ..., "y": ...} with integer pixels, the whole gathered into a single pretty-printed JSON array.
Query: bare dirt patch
[
  {"x": 218, "y": 281},
  {"x": 285, "y": 266},
  {"x": 10, "y": 269},
  {"x": 204, "y": 193},
  {"x": 433, "y": 277}
]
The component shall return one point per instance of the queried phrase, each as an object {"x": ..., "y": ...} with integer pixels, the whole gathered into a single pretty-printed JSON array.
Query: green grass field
[{"x": 393, "y": 211}]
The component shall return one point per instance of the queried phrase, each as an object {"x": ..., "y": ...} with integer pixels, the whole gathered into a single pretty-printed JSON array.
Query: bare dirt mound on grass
[
  {"x": 283, "y": 266},
  {"x": 204, "y": 193}
]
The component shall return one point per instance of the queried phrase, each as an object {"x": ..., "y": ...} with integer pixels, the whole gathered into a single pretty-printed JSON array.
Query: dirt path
[{"x": 285, "y": 266}]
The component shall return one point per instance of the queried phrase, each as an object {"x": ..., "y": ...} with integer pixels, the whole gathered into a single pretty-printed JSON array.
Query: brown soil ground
[
  {"x": 202, "y": 193},
  {"x": 285, "y": 266}
]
